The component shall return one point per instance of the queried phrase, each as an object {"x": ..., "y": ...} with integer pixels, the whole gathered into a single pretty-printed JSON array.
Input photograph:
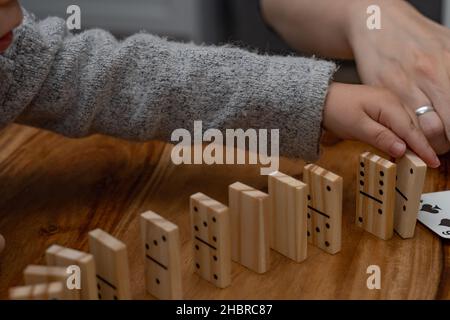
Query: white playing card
[{"x": 434, "y": 212}]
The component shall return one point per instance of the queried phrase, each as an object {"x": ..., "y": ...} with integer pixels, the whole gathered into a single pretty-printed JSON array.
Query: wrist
[{"x": 357, "y": 16}]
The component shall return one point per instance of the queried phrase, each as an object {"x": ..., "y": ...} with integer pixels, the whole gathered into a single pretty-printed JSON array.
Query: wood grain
[
  {"x": 249, "y": 220},
  {"x": 288, "y": 225},
  {"x": 211, "y": 238},
  {"x": 55, "y": 190},
  {"x": 325, "y": 190},
  {"x": 375, "y": 197},
  {"x": 161, "y": 252},
  {"x": 411, "y": 173}
]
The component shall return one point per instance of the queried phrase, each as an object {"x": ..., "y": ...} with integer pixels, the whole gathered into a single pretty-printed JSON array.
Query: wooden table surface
[{"x": 55, "y": 190}]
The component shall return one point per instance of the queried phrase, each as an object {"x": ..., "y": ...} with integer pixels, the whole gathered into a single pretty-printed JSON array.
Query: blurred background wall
[{"x": 201, "y": 21}]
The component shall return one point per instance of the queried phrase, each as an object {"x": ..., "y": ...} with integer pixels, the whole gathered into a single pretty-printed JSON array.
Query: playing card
[{"x": 434, "y": 212}]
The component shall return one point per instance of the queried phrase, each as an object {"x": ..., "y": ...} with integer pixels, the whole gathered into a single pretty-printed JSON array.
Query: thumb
[{"x": 383, "y": 138}]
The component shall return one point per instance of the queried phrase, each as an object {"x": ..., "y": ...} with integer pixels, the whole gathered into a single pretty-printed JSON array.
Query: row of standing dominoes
[
  {"x": 291, "y": 215},
  {"x": 240, "y": 232},
  {"x": 104, "y": 272},
  {"x": 388, "y": 195}
]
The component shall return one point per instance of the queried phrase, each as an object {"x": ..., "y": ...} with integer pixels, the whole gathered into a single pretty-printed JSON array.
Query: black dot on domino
[
  {"x": 155, "y": 242},
  {"x": 215, "y": 258},
  {"x": 309, "y": 216},
  {"x": 195, "y": 209},
  {"x": 404, "y": 208},
  {"x": 360, "y": 219},
  {"x": 214, "y": 219},
  {"x": 317, "y": 229},
  {"x": 327, "y": 225},
  {"x": 382, "y": 173},
  {"x": 214, "y": 239},
  {"x": 205, "y": 224},
  {"x": 216, "y": 277},
  {"x": 309, "y": 197},
  {"x": 147, "y": 246},
  {"x": 380, "y": 211},
  {"x": 196, "y": 228},
  {"x": 196, "y": 247},
  {"x": 308, "y": 233},
  {"x": 157, "y": 281},
  {"x": 361, "y": 182},
  {"x": 361, "y": 164},
  {"x": 361, "y": 173},
  {"x": 197, "y": 265},
  {"x": 381, "y": 183},
  {"x": 327, "y": 244},
  {"x": 411, "y": 171},
  {"x": 164, "y": 238},
  {"x": 380, "y": 192},
  {"x": 328, "y": 188}
]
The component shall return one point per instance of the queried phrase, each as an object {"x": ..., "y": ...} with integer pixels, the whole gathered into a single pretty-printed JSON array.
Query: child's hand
[
  {"x": 377, "y": 117},
  {"x": 10, "y": 17}
]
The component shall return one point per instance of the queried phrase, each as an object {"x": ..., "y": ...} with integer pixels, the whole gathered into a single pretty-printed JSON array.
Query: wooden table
[{"x": 54, "y": 190}]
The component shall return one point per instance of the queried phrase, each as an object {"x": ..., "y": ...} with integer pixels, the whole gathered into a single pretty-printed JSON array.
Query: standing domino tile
[
  {"x": 324, "y": 208},
  {"x": 376, "y": 195},
  {"x": 249, "y": 218},
  {"x": 36, "y": 274},
  {"x": 161, "y": 243},
  {"x": 288, "y": 223},
  {"x": 111, "y": 265},
  {"x": 411, "y": 172},
  {"x": 41, "y": 291},
  {"x": 210, "y": 222},
  {"x": 64, "y": 257}
]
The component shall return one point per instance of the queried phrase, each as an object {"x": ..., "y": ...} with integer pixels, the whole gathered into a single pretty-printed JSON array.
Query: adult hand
[
  {"x": 10, "y": 17},
  {"x": 409, "y": 55},
  {"x": 377, "y": 117}
]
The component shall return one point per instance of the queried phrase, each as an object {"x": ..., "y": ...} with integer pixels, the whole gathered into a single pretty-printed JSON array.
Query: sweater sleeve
[{"x": 144, "y": 87}]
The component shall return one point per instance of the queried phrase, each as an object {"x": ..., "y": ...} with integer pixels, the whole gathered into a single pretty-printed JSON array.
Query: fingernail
[
  {"x": 398, "y": 149},
  {"x": 437, "y": 162}
]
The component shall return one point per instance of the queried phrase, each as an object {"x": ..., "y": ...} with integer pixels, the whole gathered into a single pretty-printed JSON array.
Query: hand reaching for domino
[{"x": 377, "y": 117}]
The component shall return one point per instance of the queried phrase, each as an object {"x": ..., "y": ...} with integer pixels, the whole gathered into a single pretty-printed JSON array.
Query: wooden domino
[
  {"x": 324, "y": 213},
  {"x": 161, "y": 243},
  {"x": 375, "y": 196},
  {"x": 60, "y": 256},
  {"x": 249, "y": 221},
  {"x": 111, "y": 265},
  {"x": 36, "y": 274},
  {"x": 41, "y": 291},
  {"x": 288, "y": 225},
  {"x": 411, "y": 172},
  {"x": 210, "y": 221}
]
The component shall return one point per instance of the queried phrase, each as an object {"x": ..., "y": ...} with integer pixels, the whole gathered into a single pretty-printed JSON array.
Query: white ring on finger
[{"x": 423, "y": 110}]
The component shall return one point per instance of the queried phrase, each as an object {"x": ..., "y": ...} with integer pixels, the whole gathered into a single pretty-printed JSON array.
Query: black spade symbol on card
[
  {"x": 429, "y": 208},
  {"x": 445, "y": 222}
]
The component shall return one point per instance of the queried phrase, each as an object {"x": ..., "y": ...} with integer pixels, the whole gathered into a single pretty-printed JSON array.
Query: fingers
[
  {"x": 401, "y": 128},
  {"x": 430, "y": 123},
  {"x": 433, "y": 128},
  {"x": 438, "y": 92},
  {"x": 383, "y": 138}
]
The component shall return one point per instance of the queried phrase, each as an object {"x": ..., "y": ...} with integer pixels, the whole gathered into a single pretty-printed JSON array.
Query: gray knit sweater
[{"x": 144, "y": 87}]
